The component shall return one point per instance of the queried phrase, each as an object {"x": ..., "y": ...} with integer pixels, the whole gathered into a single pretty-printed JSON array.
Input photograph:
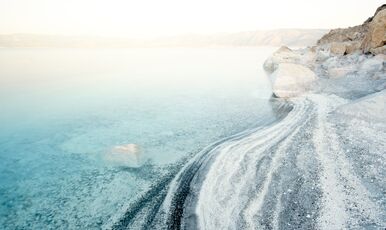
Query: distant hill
[{"x": 288, "y": 37}]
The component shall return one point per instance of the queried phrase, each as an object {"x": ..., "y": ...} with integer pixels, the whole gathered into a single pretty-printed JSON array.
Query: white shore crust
[{"x": 322, "y": 166}]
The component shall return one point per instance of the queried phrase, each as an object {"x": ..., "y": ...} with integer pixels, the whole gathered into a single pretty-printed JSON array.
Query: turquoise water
[{"x": 63, "y": 110}]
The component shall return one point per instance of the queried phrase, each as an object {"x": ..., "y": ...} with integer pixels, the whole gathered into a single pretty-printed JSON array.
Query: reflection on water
[{"x": 63, "y": 111}]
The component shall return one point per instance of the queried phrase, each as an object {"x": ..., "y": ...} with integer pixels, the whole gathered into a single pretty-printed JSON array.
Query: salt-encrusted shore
[
  {"x": 323, "y": 165},
  {"x": 319, "y": 165},
  {"x": 344, "y": 77}
]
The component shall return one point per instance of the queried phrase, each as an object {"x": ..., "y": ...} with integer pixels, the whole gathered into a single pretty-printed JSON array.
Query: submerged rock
[
  {"x": 291, "y": 80},
  {"x": 124, "y": 155}
]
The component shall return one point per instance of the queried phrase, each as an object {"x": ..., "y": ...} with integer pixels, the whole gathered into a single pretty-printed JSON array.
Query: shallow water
[{"x": 62, "y": 110}]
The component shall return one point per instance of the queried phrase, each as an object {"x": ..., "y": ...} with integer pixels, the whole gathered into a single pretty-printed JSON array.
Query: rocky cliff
[
  {"x": 347, "y": 62},
  {"x": 370, "y": 37}
]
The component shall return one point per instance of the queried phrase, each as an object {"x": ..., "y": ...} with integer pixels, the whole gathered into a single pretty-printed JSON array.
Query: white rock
[
  {"x": 124, "y": 155},
  {"x": 291, "y": 80},
  {"x": 284, "y": 54}
]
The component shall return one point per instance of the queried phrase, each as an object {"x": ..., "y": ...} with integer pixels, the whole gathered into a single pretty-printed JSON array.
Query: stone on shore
[
  {"x": 284, "y": 54},
  {"x": 291, "y": 80}
]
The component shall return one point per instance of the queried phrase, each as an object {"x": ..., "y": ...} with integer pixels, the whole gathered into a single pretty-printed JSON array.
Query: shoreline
[
  {"x": 174, "y": 192},
  {"x": 319, "y": 167}
]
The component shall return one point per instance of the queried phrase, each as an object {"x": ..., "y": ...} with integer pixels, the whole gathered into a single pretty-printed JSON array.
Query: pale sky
[{"x": 128, "y": 18}]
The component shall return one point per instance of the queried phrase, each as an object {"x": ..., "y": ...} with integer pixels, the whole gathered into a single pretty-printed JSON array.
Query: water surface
[{"x": 62, "y": 110}]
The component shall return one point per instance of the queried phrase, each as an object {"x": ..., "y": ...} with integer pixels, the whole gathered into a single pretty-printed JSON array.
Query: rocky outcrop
[
  {"x": 291, "y": 80},
  {"x": 375, "y": 39},
  {"x": 370, "y": 37},
  {"x": 376, "y": 12},
  {"x": 356, "y": 33},
  {"x": 346, "y": 62}
]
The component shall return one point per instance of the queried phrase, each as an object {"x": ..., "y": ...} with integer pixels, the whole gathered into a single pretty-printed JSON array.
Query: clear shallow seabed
[{"x": 62, "y": 110}]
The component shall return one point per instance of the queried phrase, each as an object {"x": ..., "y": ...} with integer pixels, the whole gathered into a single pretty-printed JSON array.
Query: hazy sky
[{"x": 167, "y": 17}]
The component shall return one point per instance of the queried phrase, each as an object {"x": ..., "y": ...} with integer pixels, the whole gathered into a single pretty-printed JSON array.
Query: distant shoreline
[{"x": 289, "y": 37}]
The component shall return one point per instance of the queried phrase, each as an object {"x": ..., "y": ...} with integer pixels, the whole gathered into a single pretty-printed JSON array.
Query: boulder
[
  {"x": 338, "y": 48},
  {"x": 284, "y": 54},
  {"x": 124, "y": 155},
  {"x": 291, "y": 80},
  {"x": 376, "y": 37}
]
